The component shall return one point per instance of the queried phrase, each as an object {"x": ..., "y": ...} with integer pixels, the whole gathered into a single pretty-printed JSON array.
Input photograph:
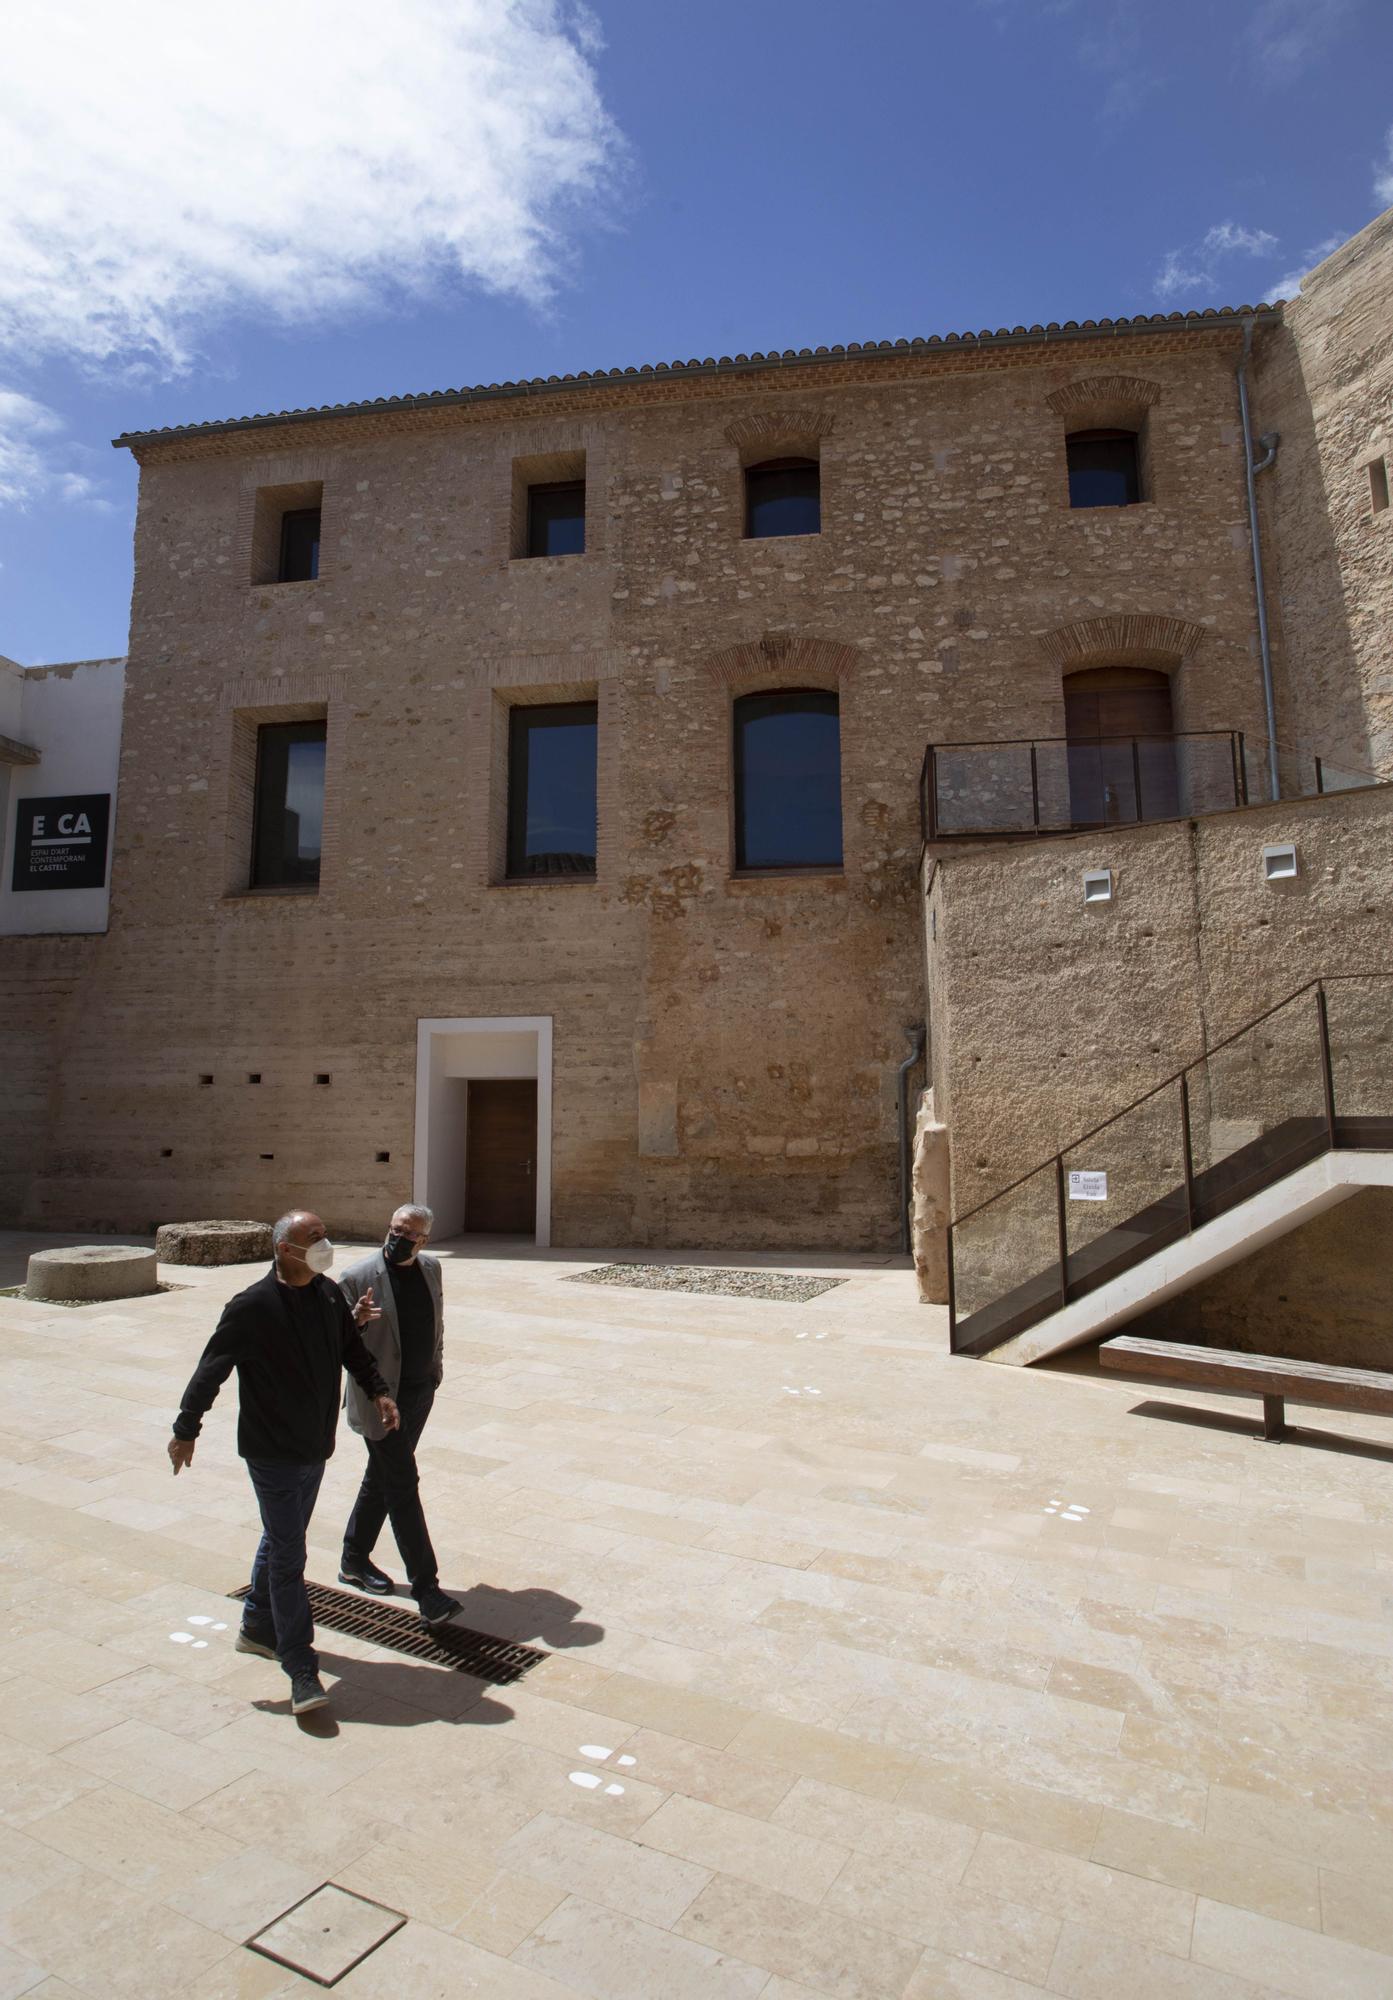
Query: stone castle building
[{"x": 523, "y": 793}]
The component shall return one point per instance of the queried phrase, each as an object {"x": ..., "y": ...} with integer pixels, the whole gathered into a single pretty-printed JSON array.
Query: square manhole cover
[{"x": 327, "y": 1934}]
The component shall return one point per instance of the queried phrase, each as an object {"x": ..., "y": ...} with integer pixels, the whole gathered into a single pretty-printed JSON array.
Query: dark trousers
[
  {"x": 277, "y": 1607},
  {"x": 391, "y": 1489}
]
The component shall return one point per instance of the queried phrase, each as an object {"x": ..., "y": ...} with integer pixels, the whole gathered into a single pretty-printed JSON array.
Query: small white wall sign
[{"x": 1084, "y": 1186}]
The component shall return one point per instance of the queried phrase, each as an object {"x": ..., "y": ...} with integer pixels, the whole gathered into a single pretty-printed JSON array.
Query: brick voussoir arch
[
  {"x": 1139, "y": 639},
  {"x": 762, "y": 430},
  {"x": 779, "y": 657},
  {"x": 1104, "y": 392}
]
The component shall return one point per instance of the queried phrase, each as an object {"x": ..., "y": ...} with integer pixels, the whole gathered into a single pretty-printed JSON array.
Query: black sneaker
[
  {"x": 247, "y": 1642},
  {"x": 365, "y": 1575},
  {"x": 437, "y": 1606},
  {"x": 307, "y": 1692}
]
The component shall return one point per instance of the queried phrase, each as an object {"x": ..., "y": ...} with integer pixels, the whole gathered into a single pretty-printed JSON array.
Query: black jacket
[{"x": 288, "y": 1366}]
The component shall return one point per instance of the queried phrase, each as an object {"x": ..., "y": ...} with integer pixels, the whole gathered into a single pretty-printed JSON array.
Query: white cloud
[
  {"x": 166, "y": 168},
  {"x": 1383, "y": 170},
  {"x": 1284, "y": 37},
  {"x": 1176, "y": 276},
  {"x": 29, "y": 431},
  {"x": 1192, "y": 271},
  {"x": 1233, "y": 236}
]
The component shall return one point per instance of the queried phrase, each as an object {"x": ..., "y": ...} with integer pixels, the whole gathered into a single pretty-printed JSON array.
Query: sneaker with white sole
[
  {"x": 307, "y": 1691},
  {"x": 247, "y": 1642}
]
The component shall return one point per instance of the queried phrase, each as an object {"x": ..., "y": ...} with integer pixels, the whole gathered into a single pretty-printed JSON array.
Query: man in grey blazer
[{"x": 407, "y": 1342}]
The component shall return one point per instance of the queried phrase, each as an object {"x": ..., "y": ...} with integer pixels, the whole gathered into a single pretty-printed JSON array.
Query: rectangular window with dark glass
[
  {"x": 556, "y": 519},
  {"x": 289, "y": 820},
  {"x": 551, "y": 789},
  {"x": 299, "y": 545},
  {"x": 783, "y": 497},
  {"x": 1103, "y": 469},
  {"x": 788, "y": 780}
]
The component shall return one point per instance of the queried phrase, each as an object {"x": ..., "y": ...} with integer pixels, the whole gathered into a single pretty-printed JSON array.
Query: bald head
[{"x": 291, "y": 1238}]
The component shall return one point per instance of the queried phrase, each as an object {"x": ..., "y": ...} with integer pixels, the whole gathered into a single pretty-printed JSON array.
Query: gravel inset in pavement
[
  {"x": 18, "y": 1292},
  {"x": 697, "y": 1278}
]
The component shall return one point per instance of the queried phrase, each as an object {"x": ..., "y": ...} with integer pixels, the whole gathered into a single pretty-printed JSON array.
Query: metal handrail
[
  {"x": 1176, "y": 1076},
  {"x": 1201, "y": 1201}
]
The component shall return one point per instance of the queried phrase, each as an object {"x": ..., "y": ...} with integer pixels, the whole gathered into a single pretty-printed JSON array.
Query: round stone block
[
  {"x": 92, "y": 1271},
  {"x": 213, "y": 1242}
]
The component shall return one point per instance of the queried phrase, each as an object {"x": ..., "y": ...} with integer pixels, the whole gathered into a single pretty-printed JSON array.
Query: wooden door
[
  {"x": 500, "y": 1176},
  {"x": 1122, "y": 762}
]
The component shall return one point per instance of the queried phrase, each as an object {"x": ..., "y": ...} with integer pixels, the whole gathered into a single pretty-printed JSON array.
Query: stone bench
[
  {"x": 213, "y": 1242},
  {"x": 1270, "y": 1376},
  {"x": 91, "y": 1271}
]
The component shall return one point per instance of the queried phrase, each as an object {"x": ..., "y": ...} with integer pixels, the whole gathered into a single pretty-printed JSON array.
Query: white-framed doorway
[{"x": 450, "y": 1053}]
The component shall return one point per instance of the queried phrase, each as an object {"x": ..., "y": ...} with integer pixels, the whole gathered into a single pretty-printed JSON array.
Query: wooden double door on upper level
[
  {"x": 500, "y": 1171},
  {"x": 1121, "y": 746}
]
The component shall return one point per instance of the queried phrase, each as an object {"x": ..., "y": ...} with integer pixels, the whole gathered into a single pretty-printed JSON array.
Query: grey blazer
[{"x": 382, "y": 1337}]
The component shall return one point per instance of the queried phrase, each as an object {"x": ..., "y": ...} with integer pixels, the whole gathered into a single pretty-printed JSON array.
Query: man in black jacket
[{"x": 289, "y": 1336}]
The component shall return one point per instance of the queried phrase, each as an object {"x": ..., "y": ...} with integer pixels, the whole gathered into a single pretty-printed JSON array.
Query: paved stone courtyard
[{"x": 870, "y": 1673}]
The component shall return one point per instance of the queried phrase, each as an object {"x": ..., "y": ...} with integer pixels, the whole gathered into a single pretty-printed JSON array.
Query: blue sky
[{"x": 485, "y": 189}]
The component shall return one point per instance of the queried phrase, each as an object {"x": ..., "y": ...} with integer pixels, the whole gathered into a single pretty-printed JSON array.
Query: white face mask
[{"x": 319, "y": 1256}]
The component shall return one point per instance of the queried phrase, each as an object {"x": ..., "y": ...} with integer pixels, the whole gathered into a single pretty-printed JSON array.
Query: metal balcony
[{"x": 1026, "y": 786}]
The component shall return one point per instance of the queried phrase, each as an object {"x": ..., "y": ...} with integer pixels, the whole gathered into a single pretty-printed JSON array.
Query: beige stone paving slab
[
  {"x": 940, "y": 1976},
  {"x": 732, "y": 1843},
  {"x": 240, "y": 1895},
  {"x": 1329, "y": 1840},
  {"x": 421, "y": 1963},
  {"x": 655, "y": 1887},
  {"x": 317, "y": 1829},
  {"x": 62, "y": 1661},
  {"x": 105, "y": 1941},
  {"x": 1253, "y": 1878},
  {"x": 1300, "y": 1962},
  {"x": 507, "y": 1909},
  {"x": 992, "y": 1930},
  {"x": 610, "y": 1956},
  {"x": 1357, "y": 1909},
  {"x": 539, "y": 1781},
  {"x": 1100, "y": 1965},
  {"x": 832, "y": 1953},
  {"x": 742, "y": 1784},
  {"x": 918, "y": 1841},
  {"x": 34, "y": 1784},
  {"x": 44, "y": 1717},
  {"x": 244, "y": 1976},
  {"x": 1083, "y": 1892},
  {"x": 152, "y": 1764},
  {"x": 824, "y": 1753},
  {"x": 17, "y": 1975},
  {"x": 136, "y": 1842}
]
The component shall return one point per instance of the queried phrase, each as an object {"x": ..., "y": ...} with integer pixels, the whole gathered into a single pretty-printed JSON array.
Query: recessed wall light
[
  {"x": 1279, "y": 863},
  {"x": 1097, "y": 885}
]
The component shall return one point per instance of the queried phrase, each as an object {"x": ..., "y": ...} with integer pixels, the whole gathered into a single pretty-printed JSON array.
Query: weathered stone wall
[
  {"x": 725, "y": 1047},
  {"x": 41, "y": 979},
  {"x": 1324, "y": 379}
]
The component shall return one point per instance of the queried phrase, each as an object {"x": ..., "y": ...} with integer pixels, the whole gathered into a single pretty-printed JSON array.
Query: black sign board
[{"x": 61, "y": 843}]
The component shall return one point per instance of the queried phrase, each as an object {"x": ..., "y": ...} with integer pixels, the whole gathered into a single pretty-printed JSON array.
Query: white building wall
[{"x": 71, "y": 714}]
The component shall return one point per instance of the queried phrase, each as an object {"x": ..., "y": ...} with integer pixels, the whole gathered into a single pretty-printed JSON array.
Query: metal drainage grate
[{"x": 487, "y": 1659}]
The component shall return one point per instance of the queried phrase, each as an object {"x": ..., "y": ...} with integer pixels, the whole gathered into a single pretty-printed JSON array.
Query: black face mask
[{"x": 399, "y": 1249}]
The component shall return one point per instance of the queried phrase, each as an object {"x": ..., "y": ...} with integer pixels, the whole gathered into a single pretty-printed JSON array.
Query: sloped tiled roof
[{"x": 802, "y": 357}]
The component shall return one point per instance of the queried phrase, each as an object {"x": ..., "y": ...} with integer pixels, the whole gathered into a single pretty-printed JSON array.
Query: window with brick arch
[{"x": 788, "y": 780}]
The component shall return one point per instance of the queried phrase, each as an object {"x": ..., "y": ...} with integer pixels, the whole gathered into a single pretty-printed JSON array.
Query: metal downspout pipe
[
  {"x": 917, "y": 1038},
  {"x": 1252, "y": 468}
]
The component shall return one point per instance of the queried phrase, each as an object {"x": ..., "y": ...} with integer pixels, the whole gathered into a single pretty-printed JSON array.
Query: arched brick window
[{"x": 788, "y": 779}]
